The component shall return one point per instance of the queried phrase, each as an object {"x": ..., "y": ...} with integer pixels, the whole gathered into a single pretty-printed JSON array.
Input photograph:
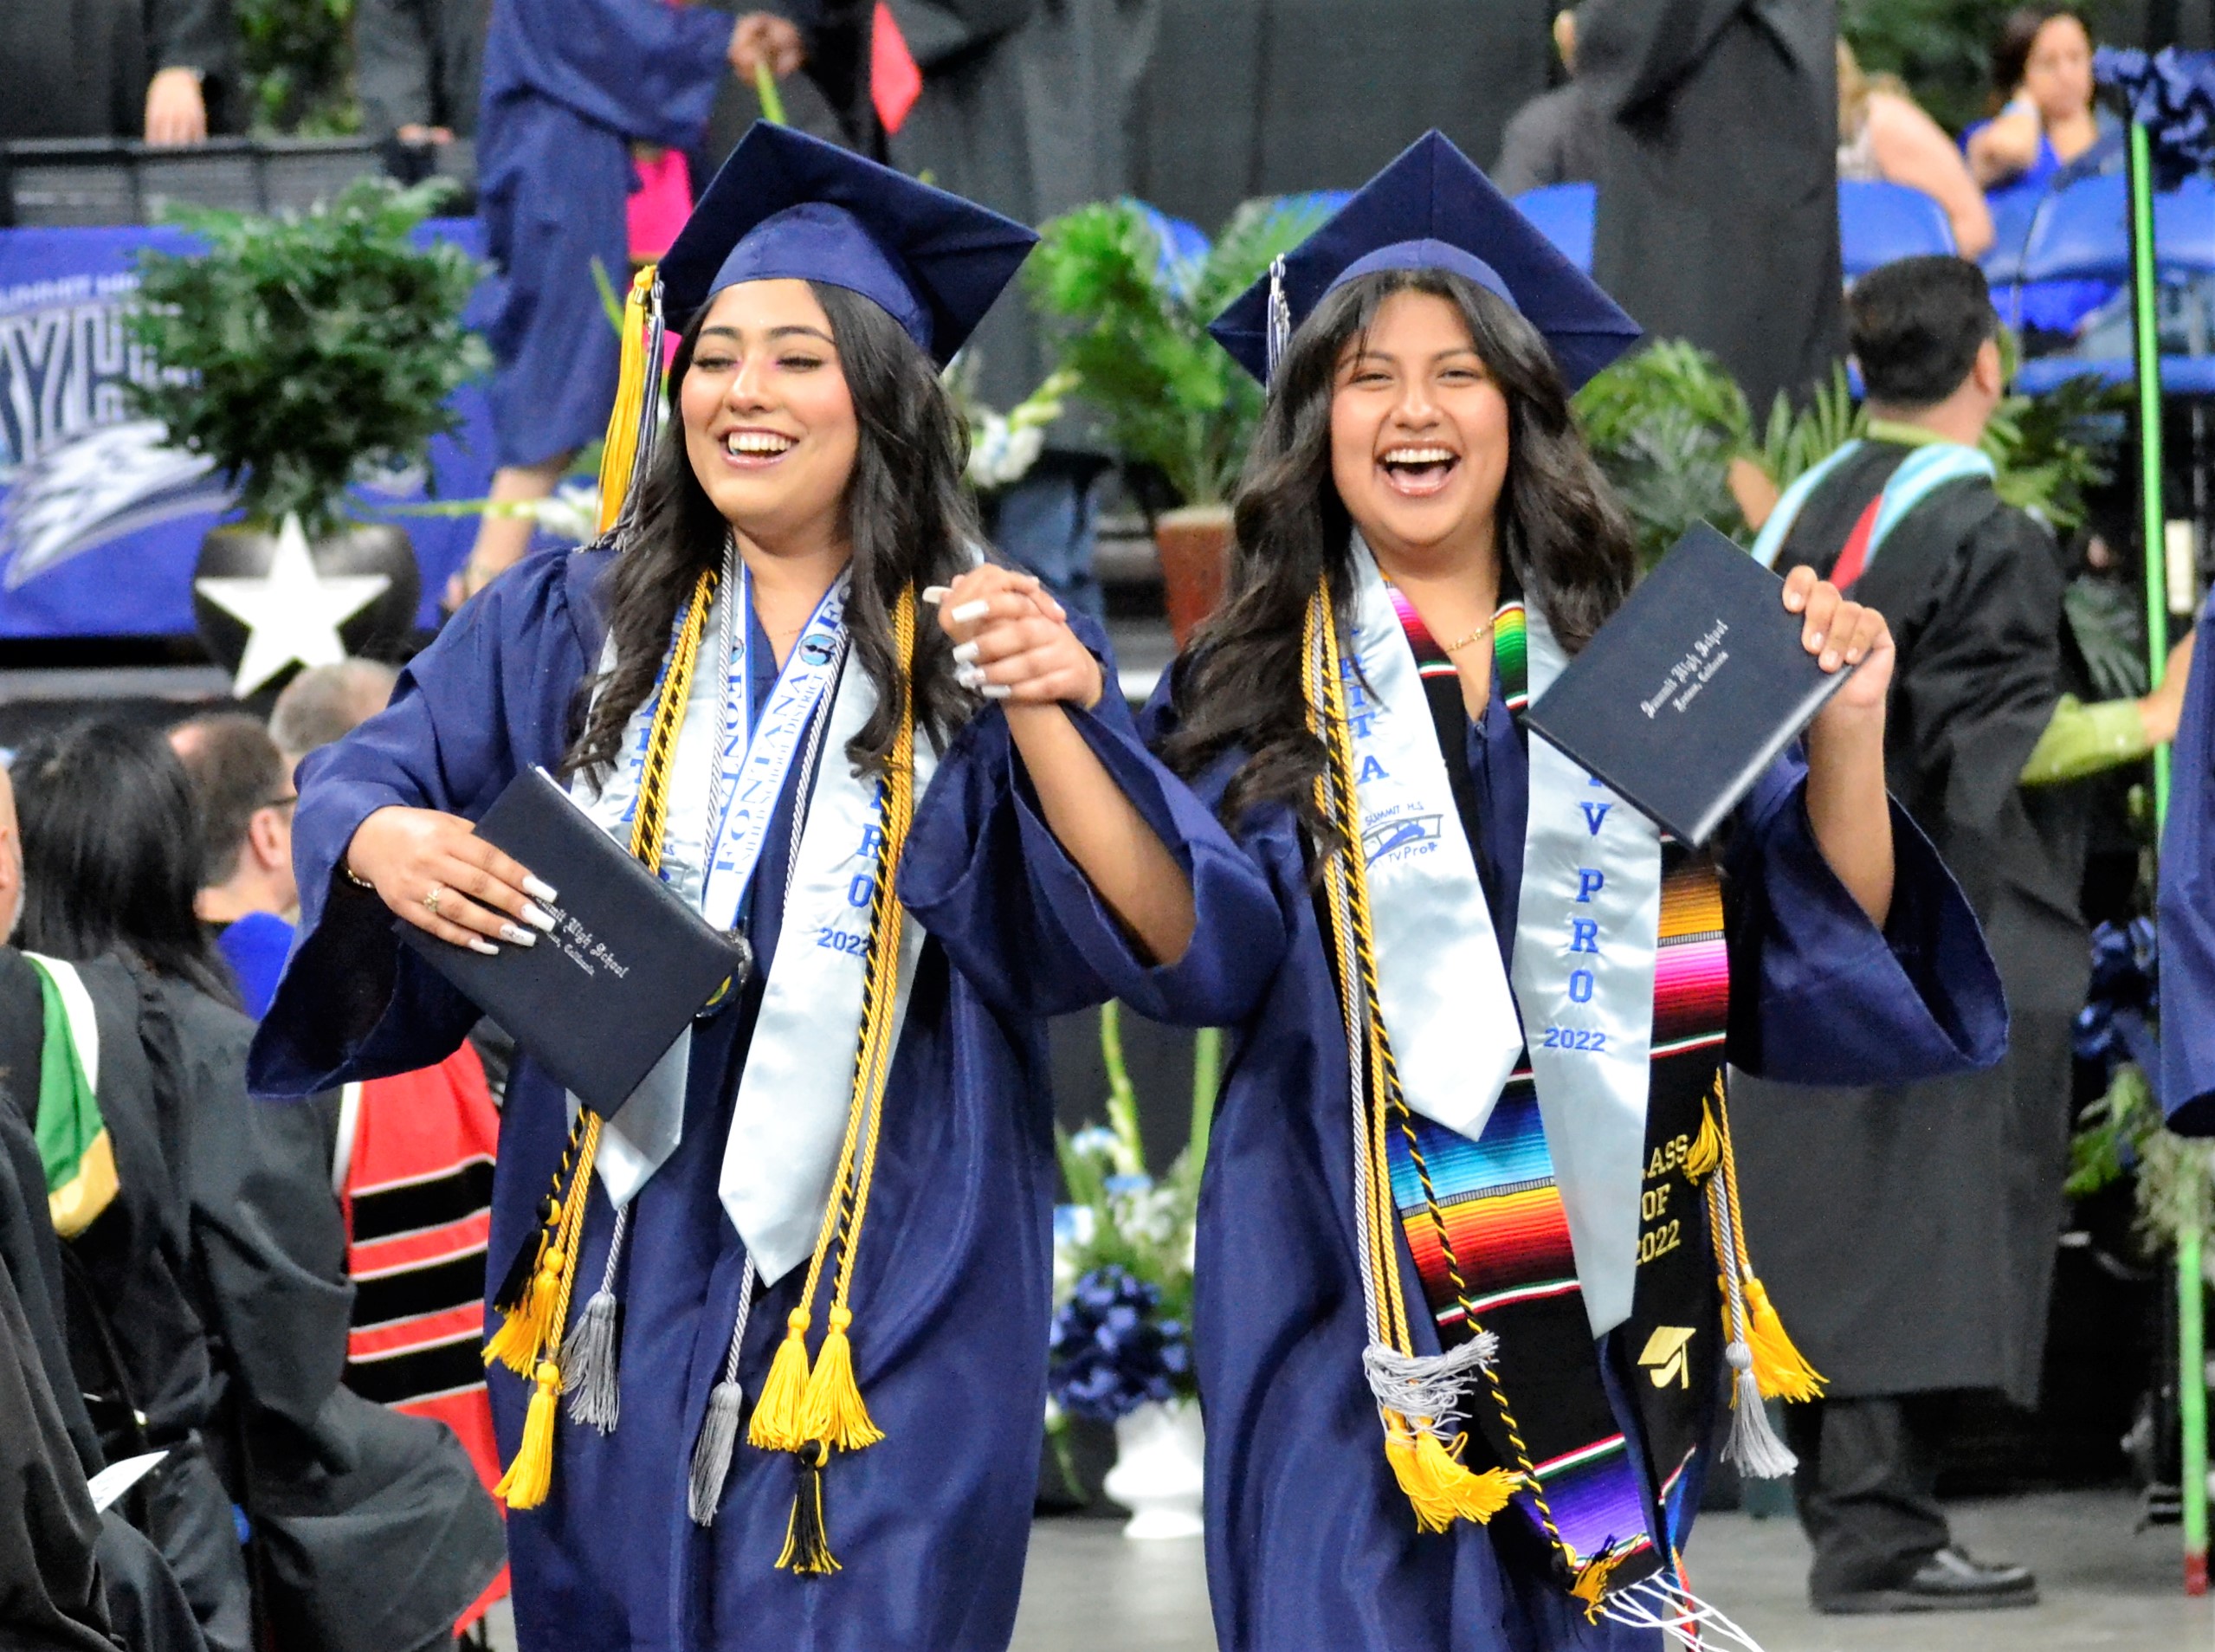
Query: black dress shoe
[{"x": 1949, "y": 1581}]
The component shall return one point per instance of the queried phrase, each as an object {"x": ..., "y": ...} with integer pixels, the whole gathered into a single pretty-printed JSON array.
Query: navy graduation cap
[
  {"x": 1432, "y": 209},
  {"x": 789, "y": 206}
]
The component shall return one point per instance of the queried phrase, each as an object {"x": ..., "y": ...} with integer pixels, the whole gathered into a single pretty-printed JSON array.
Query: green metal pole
[{"x": 2191, "y": 1345}]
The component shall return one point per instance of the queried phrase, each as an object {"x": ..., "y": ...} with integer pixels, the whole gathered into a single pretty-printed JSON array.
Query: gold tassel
[
  {"x": 780, "y": 1414},
  {"x": 523, "y": 1330},
  {"x": 635, "y": 382},
  {"x": 1593, "y": 1578},
  {"x": 836, "y": 1415},
  {"x": 1780, "y": 1369},
  {"x": 1706, "y": 1150},
  {"x": 531, "y": 1475},
  {"x": 1472, "y": 1496},
  {"x": 1417, "y": 1474}
]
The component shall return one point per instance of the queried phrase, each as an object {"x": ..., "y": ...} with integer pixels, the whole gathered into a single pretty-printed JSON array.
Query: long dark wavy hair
[
  {"x": 1563, "y": 540},
  {"x": 907, "y": 519},
  {"x": 112, "y": 855}
]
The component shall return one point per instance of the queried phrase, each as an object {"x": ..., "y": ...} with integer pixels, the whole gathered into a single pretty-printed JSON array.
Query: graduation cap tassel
[
  {"x": 635, "y": 385},
  {"x": 589, "y": 1358},
  {"x": 1279, "y": 321},
  {"x": 718, "y": 1430}
]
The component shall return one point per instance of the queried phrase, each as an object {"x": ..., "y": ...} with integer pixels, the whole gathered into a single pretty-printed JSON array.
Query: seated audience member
[
  {"x": 2049, "y": 133},
  {"x": 163, "y": 70},
  {"x": 325, "y": 703},
  {"x": 1908, "y": 1232},
  {"x": 244, "y": 791},
  {"x": 1553, "y": 138},
  {"x": 414, "y": 1169},
  {"x": 211, "y": 1316},
  {"x": 1884, "y": 134}
]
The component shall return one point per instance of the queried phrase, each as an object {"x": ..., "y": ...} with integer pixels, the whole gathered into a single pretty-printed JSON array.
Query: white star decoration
[{"x": 291, "y": 612}]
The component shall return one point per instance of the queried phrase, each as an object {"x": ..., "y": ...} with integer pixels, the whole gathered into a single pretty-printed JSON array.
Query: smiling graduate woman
[
  {"x": 802, "y": 1429},
  {"x": 1469, "y": 1188}
]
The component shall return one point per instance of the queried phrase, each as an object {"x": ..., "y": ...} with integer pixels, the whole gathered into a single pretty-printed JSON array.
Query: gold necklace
[{"x": 1477, "y": 636}]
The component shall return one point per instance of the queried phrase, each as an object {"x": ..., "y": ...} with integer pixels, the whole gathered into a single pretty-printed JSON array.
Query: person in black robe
[
  {"x": 165, "y": 70},
  {"x": 208, "y": 1302},
  {"x": 1908, "y": 1231},
  {"x": 1718, "y": 215}
]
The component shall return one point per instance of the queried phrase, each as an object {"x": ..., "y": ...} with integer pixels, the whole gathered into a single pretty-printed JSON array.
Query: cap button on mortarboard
[{"x": 1432, "y": 209}]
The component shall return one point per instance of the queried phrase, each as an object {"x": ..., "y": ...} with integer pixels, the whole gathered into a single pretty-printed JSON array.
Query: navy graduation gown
[
  {"x": 569, "y": 86},
  {"x": 1311, "y": 1544},
  {"x": 2188, "y": 914},
  {"x": 952, "y": 1296}
]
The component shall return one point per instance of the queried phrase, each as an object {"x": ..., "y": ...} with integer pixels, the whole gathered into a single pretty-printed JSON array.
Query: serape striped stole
[{"x": 1496, "y": 1255}]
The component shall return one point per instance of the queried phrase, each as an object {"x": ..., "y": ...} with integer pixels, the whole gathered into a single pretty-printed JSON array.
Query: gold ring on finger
[{"x": 430, "y": 899}]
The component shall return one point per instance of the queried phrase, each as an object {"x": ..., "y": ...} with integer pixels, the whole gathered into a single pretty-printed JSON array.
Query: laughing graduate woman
[
  {"x": 796, "y": 1297},
  {"x": 1469, "y": 1189}
]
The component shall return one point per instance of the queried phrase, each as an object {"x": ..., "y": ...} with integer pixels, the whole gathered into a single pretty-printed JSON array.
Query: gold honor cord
[
  {"x": 813, "y": 1411},
  {"x": 1438, "y": 1486},
  {"x": 529, "y": 1340}
]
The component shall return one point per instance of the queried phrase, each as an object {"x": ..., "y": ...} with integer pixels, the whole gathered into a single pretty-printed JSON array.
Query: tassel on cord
[
  {"x": 718, "y": 1430},
  {"x": 1434, "y": 1508},
  {"x": 836, "y": 1415},
  {"x": 1780, "y": 1367},
  {"x": 1706, "y": 1153},
  {"x": 634, "y": 386},
  {"x": 807, "y": 1536},
  {"x": 1752, "y": 1446},
  {"x": 589, "y": 1358},
  {"x": 524, "y": 1300},
  {"x": 531, "y": 1475},
  {"x": 780, "y": 1414}
]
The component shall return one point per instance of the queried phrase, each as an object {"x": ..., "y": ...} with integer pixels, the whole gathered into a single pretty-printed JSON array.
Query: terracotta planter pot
[{"x": 1195, "y": 546}]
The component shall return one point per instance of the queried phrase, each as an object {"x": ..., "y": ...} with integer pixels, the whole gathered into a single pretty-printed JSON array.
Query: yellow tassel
[
  {"x": 528, "y": 1478},
  {"x": 523, "y": 1332},
  {"x": 780, "y": 1414},
  {"x": 1472, "y": 1496},
  {"x": 634, "y": 384},
  {"x": 1593, "y": 1578},
  {"x": 1780, "y": 1369},
  {"x": 1707, "y": 1148},
  {"x": 1417, "y": 1474},
  {"x": 835, "y": 1413}
]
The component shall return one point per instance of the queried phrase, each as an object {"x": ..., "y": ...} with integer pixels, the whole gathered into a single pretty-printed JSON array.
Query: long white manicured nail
[
  {"x": 517, "y": 933},
  {"x": 969, "y": 676},
  {"x": 965, "y": 655},
  {"x": 537, "y": 889},
  {"x": 996, "y": 690},
  {"x": 479, "y": 944},
  {"x": 975, "y": 610},
  {"x": 537, "y": 917},
  {"x": 935, "y": 594}
]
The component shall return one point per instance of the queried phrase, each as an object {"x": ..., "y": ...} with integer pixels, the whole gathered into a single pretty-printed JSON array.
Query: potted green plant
[
  {"x": 1136, "y": 296},
  {"x": 295, "y": 353}
]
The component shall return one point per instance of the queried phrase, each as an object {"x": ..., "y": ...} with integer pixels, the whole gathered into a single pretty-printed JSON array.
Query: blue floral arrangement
[
  {"x": 1113, "y": 1349},
  {"x": 2123, "y": 1005},
  {"x": 2171, "y": 94}
]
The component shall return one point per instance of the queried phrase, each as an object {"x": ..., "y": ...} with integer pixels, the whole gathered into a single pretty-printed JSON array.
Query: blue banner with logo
[{"x": 100, "y": 523}]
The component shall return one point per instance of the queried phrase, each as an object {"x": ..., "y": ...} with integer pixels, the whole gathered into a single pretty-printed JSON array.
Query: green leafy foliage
[
  {"x": 1796, "y": 441},
  {"x": 2052, "y": 448},
  {"x": 1135, "y": 333},
  {"x": 1665, "y": 424},
  {"x": 298, "y": 56},
  {"x": 295, "y": 348},
  {"x": 2122, "y": 1134}
]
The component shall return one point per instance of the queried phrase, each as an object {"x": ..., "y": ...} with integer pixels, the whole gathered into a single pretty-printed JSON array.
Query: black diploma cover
[
  {"x": 1691, "y": 690},
  {"x": 629, "y": 964}
]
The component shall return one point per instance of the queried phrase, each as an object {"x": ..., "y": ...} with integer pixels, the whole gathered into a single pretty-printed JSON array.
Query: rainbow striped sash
[{"x": 1490, "y": 1238}]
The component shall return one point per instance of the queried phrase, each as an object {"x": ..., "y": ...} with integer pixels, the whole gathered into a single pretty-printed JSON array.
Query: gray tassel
[
  {"x": 1278, "y": 323},
  {"x": 1753, "y": 1447},
  {"x": 588, "y": 1364},
  {"x": 1428, "y": 1386},
  {"x": 711, "y": 1454}
]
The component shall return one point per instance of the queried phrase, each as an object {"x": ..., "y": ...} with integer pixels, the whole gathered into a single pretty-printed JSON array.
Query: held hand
[
  {"x": 176, "y": 111},
  {"x": 763, "y": 37},
  {"x": 1842, "y": 636},
  {"x": 2160, "y": 710},
  {"x": 1014, "y": 641},
  {"x": 435, "y": 871}
]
